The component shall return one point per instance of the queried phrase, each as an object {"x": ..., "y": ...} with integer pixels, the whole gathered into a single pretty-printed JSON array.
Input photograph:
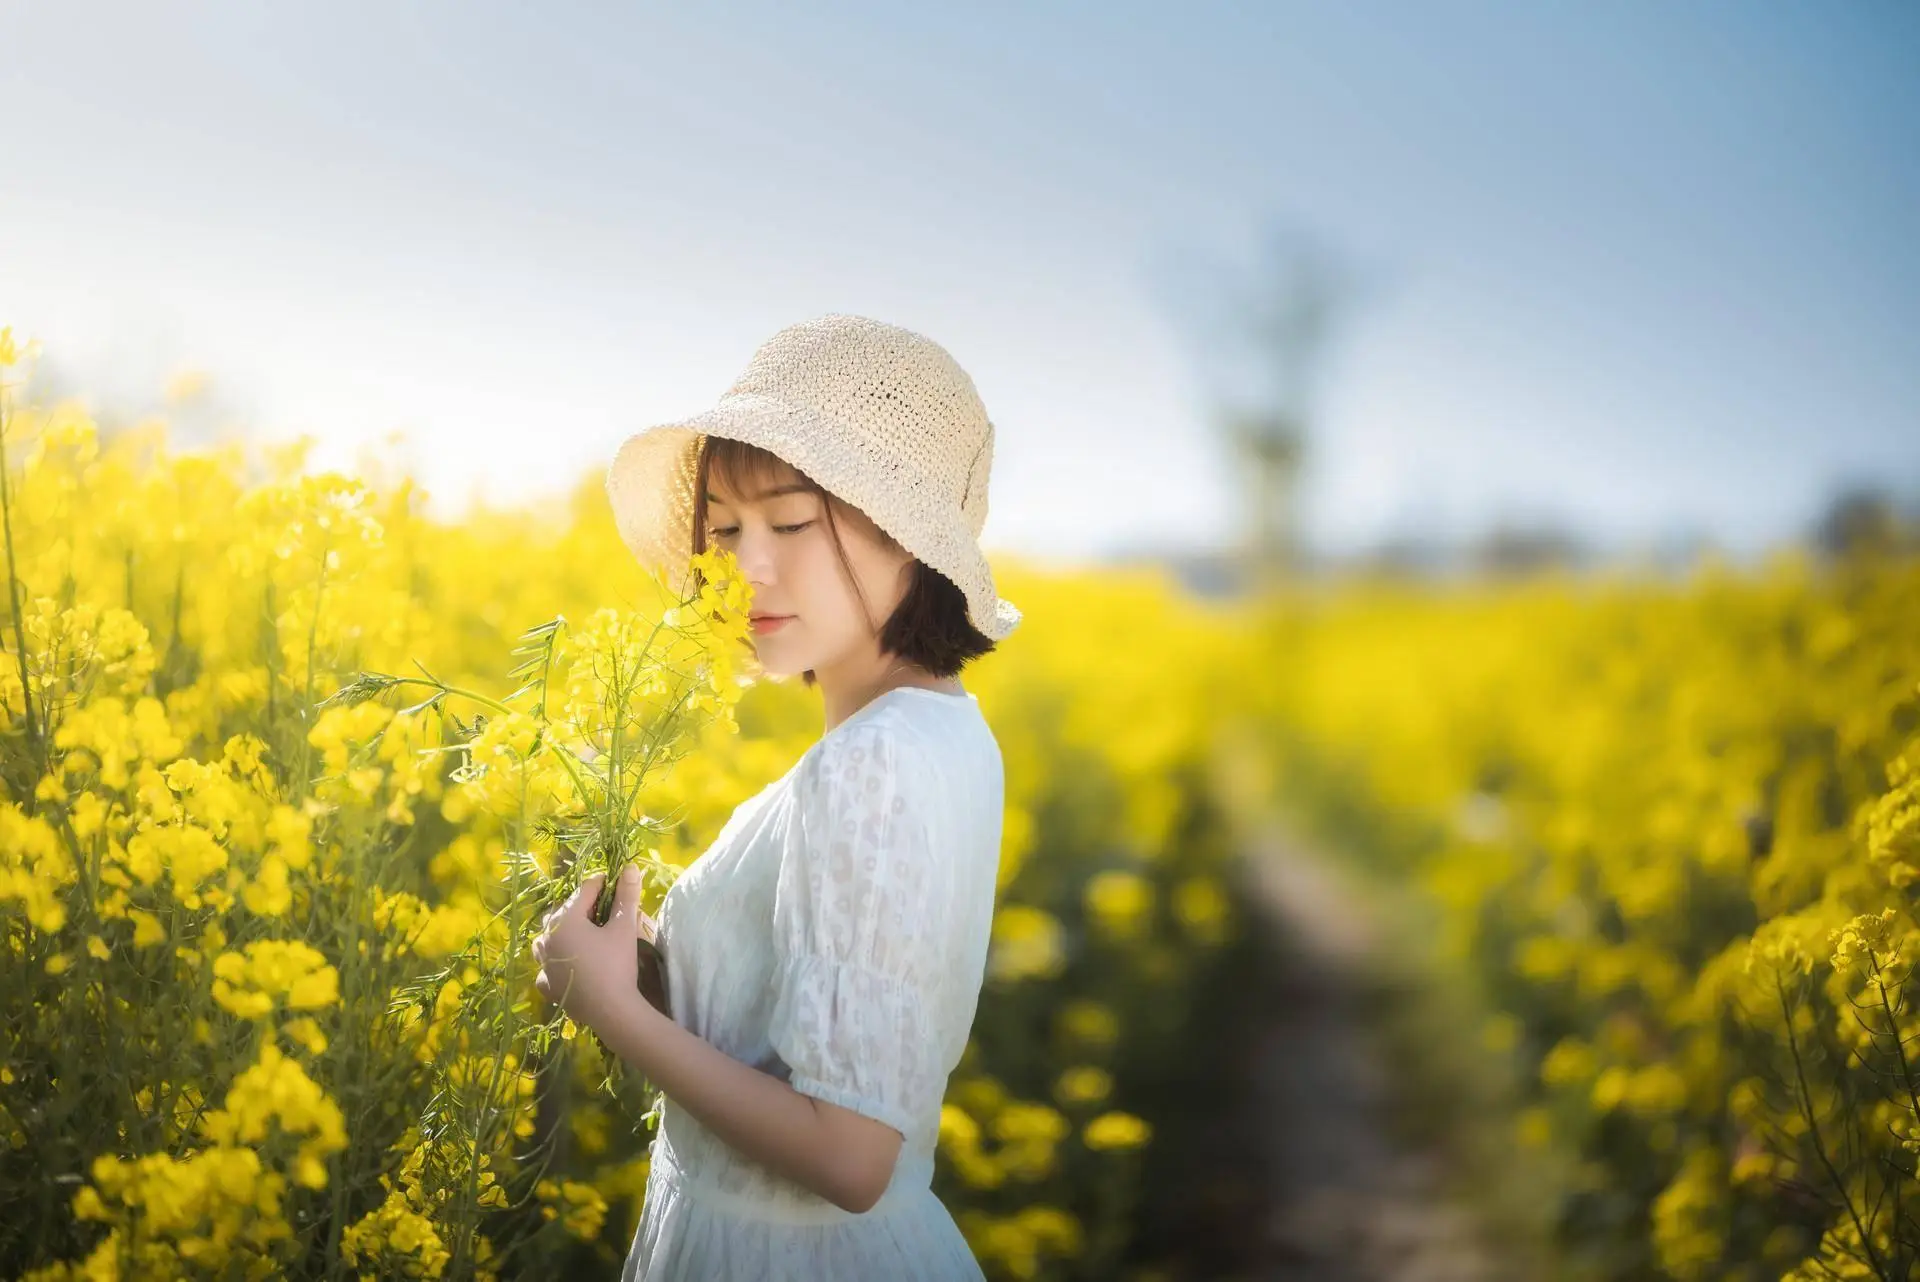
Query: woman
[{"x": 824, "y": 956}]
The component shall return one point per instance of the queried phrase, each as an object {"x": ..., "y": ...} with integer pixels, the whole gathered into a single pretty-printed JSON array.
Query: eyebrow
[{"x": 773, "y": 493}]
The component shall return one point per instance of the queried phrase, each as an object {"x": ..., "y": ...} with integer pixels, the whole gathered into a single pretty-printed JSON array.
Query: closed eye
[{"x": 782, "y": 529}]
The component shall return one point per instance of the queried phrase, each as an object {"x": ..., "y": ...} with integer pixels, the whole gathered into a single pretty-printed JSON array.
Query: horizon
[{"x": 1640, "y": 273}]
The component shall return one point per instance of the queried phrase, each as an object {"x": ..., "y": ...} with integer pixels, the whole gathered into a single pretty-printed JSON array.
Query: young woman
[{"x": 824, "y": 956}]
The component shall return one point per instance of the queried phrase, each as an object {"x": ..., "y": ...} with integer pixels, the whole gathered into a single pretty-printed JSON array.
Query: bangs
[{"x": 739, "y": 467}]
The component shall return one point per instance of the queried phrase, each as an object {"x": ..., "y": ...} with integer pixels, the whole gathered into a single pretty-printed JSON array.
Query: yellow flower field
[
  {"x": 290, "y": 772},
  {"x": 279, "y": 826},
  {"x": 1667, "y": 834}
]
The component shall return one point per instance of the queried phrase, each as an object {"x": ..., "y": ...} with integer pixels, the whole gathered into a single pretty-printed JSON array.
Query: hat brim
[{"x": 650, "y": 487}]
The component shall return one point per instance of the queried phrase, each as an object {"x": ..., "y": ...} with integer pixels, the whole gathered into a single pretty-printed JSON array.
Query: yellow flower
[
  {"x": 1120, "y": 902},
  {"x": 35, "y": 868},
  {"x": 1028, "y": 943},
  {"x": 580, "y": 1207},
  {"x": 305, "y": 1032},
  {"x": 1021, "y": 1121},
  {"x": 1053, "y": 1230},
  {"x": 270, "y": 893},
  {"x": 396, "y": 1238},
  {"x": 276, "y": 1095},
  {"x": 1083, "y": 1084},
  {"x": 1116, "y": 1131},
  {"x": 270, "y": 971},
  {"x": 1029, "y": 1135},
  {"x": 1871, "y": 941},
  {"x": 1202, "y": 907},
  {"x": 1090, "y": 1022},
  {"x": 1570, "y": 1062}
]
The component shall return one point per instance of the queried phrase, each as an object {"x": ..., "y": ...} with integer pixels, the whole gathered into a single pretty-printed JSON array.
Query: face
[{"x": 815, "y": 619}]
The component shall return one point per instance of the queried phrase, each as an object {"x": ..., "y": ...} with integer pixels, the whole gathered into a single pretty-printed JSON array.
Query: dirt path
[{"x": 1344, "y": 1201}]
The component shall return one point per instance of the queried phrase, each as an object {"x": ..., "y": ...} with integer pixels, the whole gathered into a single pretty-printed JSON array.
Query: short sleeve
[{"x": 857, "y": 949}]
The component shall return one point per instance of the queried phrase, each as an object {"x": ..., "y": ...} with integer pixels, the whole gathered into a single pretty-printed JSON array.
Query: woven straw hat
[{"x": 880, "y": 416}]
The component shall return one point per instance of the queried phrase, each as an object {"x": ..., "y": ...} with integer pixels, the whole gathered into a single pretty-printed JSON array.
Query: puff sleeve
[{"x": 859, "y": 903}]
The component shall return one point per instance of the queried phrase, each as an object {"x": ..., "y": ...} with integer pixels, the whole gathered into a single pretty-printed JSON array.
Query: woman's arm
[{"x": 835, "y": 1152}]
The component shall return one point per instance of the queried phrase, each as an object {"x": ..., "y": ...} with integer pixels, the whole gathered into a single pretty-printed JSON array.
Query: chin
[{"x": 776, "y": 666}]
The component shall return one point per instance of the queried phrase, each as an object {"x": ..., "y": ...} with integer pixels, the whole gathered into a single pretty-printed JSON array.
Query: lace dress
[{"x": 835, "y": 935}]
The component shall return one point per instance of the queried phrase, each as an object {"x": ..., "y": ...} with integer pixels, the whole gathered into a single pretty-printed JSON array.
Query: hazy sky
[{"x": 1647, "y": 265}]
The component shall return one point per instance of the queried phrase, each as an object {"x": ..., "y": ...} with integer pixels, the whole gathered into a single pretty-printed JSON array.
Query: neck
[{"x": 845, "y": 692}]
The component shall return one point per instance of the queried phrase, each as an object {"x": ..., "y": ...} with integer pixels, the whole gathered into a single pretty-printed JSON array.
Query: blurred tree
[
  {"x": 1861, "y": 519},
  {"x": 1406, "y": 554},
  {"x": 1525, "y": 548},
  {"x": 1261, "y": 335}
]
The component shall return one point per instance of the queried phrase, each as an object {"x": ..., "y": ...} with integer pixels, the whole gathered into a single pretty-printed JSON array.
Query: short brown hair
[{"x": 929, "y": 627}]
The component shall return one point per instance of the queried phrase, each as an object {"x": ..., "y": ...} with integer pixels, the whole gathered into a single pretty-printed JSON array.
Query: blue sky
[{"x": 1647, "y": 267}]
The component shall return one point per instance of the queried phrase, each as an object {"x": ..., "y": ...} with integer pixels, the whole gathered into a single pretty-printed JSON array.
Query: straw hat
[{"x": 880, "y": 416}]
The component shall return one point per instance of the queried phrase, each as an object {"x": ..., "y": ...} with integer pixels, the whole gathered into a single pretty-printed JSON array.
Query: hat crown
[{"x": 892, "y": 391}]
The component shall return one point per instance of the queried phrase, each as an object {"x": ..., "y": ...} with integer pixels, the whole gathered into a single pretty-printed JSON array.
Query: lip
[{"x": 771, "y": 622}]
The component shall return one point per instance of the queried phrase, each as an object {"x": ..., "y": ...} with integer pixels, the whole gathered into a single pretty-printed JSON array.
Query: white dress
[{"x": 835, "y": 935}]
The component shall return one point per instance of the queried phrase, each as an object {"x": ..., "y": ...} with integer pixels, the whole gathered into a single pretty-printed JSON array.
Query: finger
[
  {"x": 541, "y": 985},
  {"x": 562, "y": 906},
  {"x": 588, "y": 893},
  {"x": 540, "y": 949},
  {"x": 626, "y": 897}
]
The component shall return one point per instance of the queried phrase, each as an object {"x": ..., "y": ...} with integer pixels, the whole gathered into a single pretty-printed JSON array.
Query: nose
[{"x": 754, "y": 552}]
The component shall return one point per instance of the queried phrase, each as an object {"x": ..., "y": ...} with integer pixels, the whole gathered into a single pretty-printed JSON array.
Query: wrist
[{"x": 623, "y": 1024}]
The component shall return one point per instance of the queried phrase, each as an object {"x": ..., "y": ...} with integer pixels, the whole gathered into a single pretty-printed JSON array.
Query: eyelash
[{"x": 783, "y": 529}]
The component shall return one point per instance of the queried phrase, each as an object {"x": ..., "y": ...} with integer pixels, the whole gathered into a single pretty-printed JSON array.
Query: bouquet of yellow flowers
[{"x": 567, "y": 772}]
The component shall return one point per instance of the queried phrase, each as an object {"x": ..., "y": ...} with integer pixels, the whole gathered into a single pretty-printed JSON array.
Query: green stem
[
  {"x": 13, "y": 596},
  {"x": 566, "y": 758},
  {"x": 1804, "y": 1098}
]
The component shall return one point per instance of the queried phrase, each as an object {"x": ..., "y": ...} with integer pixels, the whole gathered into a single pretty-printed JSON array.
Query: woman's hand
[{"x": 592, "y": 972}]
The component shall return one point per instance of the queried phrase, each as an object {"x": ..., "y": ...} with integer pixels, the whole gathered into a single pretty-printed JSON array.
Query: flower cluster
[
  {"x": 264, "y": 908},
  {"x": 1668, "y": 833}
]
